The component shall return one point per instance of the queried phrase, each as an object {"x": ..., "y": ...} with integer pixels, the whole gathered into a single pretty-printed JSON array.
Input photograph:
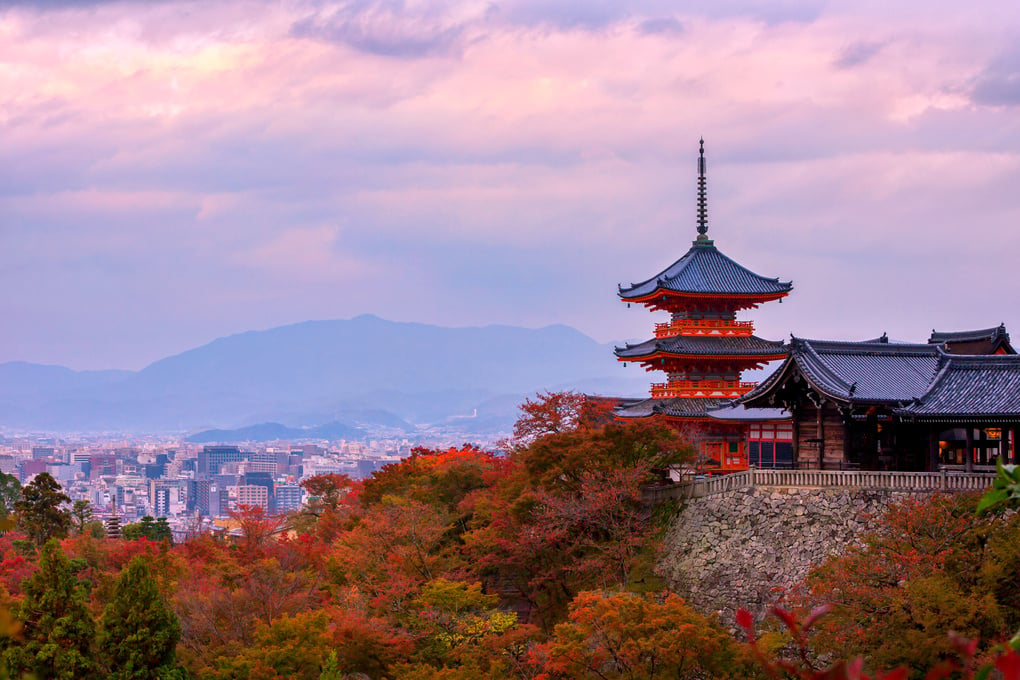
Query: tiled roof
[
  {"x": 938, "y": 337},
  {"x": 705, "y": 270},
  {"x": 745, "y": 414},
  {"x": 971, "y": 386},
  {"x": 677, "y": 407},
  {"x": 870, "y": 372},
  {"x": 741, "y": 345}
]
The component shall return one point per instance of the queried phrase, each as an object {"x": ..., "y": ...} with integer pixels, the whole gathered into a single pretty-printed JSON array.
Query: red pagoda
[{"x": 703, "y": 350}]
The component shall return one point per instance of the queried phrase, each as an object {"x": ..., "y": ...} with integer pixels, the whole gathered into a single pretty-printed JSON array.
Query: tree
[
  {"x": 41, "y": 514},
  {"x": 325, "y": 492},
  {"x": 57, "y": 628},
  {"x": 10, "y": 493},
  {"x": 932, "y": 566},
  {"x": 140, "y": 631},
  {"x": 257, "y": 526},
  {"x": 623, "y": 635},
  {"x": 148, "y": 527},
  {"x": 556, "y": 412},
  {"x": 81, "y": 516}
]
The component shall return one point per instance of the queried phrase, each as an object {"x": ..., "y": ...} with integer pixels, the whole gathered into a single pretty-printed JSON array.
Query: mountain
[
  {"x": 265, "y": 432},
  {"x": 365, "y": 372}
]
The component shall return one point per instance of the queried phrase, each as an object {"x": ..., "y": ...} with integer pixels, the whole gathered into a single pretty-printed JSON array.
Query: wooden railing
[
  {"x": 723, "y": 327},
  {"x": 860, "y": 479},
  {"x": 702, "y": 388}
]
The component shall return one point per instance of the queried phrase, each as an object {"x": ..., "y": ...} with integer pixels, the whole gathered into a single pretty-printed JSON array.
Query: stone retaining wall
[{"x": 743, "y": 548}]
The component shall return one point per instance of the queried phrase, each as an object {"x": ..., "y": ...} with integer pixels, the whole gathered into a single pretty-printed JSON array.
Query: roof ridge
[{"x": 824, "y": 367}]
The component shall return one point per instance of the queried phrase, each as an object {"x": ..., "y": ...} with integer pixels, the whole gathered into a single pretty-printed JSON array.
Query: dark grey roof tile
[{"x": 705, "y": 270}]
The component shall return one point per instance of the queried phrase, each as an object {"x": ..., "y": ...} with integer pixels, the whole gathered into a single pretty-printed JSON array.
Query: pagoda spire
[{"x": 702, "y": 200}]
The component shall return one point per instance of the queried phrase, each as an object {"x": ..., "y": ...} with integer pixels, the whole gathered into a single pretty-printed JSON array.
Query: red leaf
[
  {"x": 1009, "y": 665},
  {"x": 745, "y": 621}
]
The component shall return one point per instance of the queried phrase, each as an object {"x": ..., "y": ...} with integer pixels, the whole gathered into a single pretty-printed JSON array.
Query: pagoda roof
[
  {"x": 704, "y": 270},
  {"x": 860, "y": 372},
  {"x": 677, "y": 407},
  {"x": 970, "y": 387},
  {"x": 707, "y": 346}
]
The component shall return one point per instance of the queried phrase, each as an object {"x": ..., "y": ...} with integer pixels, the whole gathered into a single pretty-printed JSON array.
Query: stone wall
[{"x": 743, "y": 548}]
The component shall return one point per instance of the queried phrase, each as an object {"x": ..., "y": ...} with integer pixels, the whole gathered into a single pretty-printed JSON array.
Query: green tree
[
  {"x": 57, "y": 629},
  {"x": 150, "y": 528},
  {"x": 10, "y": 493},
  {"x": 41, "y": 511},
  {"x": 140, "y": 631},
  {"x": 81, "y": 516}
]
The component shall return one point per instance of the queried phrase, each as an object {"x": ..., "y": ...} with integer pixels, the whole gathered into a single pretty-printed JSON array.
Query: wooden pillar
[
  {"x": 933, "y": 448},
  {"x": 1012, "y": 440},
  {"x": 796, "y": 443},
  {"x": 821, "y": 437},
  {"x": 848, "y": 420},
  {"x": 968, "y": 455}
]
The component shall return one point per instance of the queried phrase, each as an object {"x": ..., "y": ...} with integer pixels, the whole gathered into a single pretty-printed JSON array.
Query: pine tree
[
  {"x": 57, "y": 629},
  {"x": 139, "y": 632},
  {"x": 41, "y": 514}
]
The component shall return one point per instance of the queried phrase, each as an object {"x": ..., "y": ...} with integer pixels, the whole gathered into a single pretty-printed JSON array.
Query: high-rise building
[
  {"x": 211, "y": 458},
  {"x": 287, "y": 497},
  {"x": 161, "y": 502}
]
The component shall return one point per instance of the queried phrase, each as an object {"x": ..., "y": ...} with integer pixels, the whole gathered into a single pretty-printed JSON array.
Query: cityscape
[{"x": 196, "y": 486}]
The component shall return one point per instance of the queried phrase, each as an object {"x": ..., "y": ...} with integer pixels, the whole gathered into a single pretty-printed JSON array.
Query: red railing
[
  {"x": 701, "y": 388},
  {"x": 717, "y": 327}
]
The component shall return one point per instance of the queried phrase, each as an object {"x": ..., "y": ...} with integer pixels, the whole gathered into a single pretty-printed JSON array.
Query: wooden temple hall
[{"x": 952, "y": 402}]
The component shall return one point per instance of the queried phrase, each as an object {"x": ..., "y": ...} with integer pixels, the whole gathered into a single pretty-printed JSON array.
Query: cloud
[
  {"x": 172, "y": 172},
  {"x": 661, "y": 26},
  {"x": 857, "y": 53},
  {"x": 999, "y": 82},
  {"x": 387, "y": 28}
]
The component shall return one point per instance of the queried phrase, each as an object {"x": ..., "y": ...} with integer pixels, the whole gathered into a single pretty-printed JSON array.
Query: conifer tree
[
  {"x": 57, "y": 629},
  {"x": 139, "y": 631},
  {"x": 41, "y": 514}
]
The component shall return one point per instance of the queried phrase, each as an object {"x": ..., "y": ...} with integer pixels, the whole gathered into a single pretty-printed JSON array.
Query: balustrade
[
  {"x": 703, "y": 327},
  {"x": 701, "y": 388}
]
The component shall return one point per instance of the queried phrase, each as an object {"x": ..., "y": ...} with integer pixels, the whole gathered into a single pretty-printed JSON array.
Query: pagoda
[{"x": 703, "y": 349}]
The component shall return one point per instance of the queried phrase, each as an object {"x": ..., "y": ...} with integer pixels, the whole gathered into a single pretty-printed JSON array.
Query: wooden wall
[{"x": 807, "y": 435}]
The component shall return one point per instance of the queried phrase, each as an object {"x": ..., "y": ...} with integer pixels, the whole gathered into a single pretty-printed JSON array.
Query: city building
[{"x": 253, "y": 495}]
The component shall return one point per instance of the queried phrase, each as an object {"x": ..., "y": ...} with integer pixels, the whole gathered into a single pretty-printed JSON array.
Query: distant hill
[
  {"x": 364, "y": 371},
  {"x": 266, "y": 432}
]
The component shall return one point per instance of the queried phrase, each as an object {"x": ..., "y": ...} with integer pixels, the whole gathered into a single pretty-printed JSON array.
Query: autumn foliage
[{"x": 535, "y": 562}]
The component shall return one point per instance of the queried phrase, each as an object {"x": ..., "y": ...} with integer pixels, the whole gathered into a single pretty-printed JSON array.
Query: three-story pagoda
[{"x": 703, "y": 349}]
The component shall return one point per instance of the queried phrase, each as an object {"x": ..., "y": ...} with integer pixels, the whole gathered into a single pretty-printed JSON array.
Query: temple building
[
  {"x": 951, "y": 403},
  {"x": 986, "y": 341},
  {"x": 703, "y": 350}
]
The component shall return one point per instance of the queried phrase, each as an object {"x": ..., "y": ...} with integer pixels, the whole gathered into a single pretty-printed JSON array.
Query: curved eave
[
  {"x": 757, "y": 358},
  {"x": 958, "y": 417},
  {"x": 758, "y": 397},
  {"x": 655, "y": 296}
]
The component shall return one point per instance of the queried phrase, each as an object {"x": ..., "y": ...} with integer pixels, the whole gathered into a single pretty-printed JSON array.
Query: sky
[{"x": 172, "y": 171}]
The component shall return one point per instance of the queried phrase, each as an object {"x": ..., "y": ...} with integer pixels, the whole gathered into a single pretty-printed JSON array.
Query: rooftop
[
  {"x": 707, "y": 346},
  {"x": 870, "y": 372},
  {"x": 704, "y": 270},
  {"x": 971, "y": 386}
]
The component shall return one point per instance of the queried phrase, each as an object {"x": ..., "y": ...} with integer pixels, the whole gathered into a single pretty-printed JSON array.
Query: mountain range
[{"x": 364, "y": 371}]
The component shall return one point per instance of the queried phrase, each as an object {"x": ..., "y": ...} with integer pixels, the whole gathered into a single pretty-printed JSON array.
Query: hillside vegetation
[{"x": 535, "y": 563}]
